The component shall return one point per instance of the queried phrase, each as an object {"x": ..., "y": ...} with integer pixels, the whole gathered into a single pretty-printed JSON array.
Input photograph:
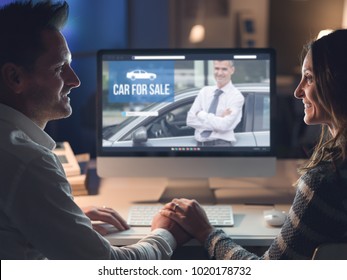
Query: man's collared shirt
[{"x": 38, "y": 217}]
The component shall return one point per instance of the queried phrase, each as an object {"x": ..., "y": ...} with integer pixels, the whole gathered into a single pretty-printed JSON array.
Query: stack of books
[{"x": 75, "y": 167}]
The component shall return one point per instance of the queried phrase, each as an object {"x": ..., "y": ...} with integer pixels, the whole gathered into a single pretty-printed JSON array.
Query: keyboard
[{"x": 218, "y": 215}]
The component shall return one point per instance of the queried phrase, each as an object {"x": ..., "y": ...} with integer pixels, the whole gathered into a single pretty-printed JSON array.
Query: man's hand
[
  {"x": 181, "y": 236},
  {"x": 226, "y": 112},
  {"x": 106, "y": 215},
  {"x": 190, "y": 216}
]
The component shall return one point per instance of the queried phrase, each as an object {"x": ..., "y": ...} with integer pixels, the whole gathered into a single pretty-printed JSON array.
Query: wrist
[
  {"x": 204, "y": 234},
  {"x": 167, "y": 236}
]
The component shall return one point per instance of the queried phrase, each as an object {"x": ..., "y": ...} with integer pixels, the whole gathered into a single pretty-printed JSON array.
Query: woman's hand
[
  {"x": 106, "y": 215},
  {"x": 180, "y": 235},
  {"x": 190, "y": 216}
]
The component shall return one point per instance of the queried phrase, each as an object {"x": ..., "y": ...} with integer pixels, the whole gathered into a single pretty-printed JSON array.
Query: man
[
  {"x": 38, "y": 217},
  {"x": 217, "y": 110}
]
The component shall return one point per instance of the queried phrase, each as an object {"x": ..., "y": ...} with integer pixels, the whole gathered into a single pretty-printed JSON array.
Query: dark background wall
[{"x": 293, "y": 23}]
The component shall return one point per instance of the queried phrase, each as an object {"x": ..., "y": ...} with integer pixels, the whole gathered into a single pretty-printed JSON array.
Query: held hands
[
  {"x": 106, "y": 215},
  {"x": 190, "y": 216},
  {"x": 180, "y": 235},
  {"x": 184, "y": 218}
]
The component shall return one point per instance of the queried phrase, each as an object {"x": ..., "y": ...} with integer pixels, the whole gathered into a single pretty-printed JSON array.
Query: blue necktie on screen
[{"x": 212, "y": 109}]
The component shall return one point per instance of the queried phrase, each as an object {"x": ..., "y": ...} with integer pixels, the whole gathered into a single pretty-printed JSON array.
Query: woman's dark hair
[
  {"x": 329, "y": 62},
  {"x": 21, "y": 24}
]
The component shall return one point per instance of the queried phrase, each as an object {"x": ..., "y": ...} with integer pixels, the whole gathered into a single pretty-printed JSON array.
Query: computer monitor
[{"x": 144, "y": 97}]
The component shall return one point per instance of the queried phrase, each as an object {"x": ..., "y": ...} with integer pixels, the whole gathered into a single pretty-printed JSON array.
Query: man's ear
[
  {"x": 232, "y": 70},
  {"x": 13, "y": 77}
]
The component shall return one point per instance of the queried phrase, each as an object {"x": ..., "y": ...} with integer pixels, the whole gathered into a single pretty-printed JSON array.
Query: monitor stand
[{"x": 190, "y": 188}]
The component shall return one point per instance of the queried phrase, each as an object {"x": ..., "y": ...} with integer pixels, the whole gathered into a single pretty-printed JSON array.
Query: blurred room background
[{"x": 285, "y": 25}]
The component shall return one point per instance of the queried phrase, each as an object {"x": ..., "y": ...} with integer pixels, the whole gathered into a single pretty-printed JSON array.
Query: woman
[{"x": 319, "y": 211}]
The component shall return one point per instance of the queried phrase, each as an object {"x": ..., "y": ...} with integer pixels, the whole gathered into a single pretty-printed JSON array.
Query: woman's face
[{"x": 307, "y": 92}]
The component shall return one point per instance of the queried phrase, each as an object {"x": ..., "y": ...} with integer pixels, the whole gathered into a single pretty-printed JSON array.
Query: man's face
[
  {"x": 51, "y": 80},
  {"x": 222, "y": 72}
]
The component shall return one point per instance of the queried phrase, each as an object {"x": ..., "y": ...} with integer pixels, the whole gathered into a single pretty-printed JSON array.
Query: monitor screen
[{"x": 186, "y": 113}]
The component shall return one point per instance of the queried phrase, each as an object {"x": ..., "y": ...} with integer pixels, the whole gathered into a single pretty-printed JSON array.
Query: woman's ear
[{"x": 13, "y": 77}]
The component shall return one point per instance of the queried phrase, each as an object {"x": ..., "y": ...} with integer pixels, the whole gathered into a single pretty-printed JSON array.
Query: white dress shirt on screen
[{"x": 222, "y": 127}]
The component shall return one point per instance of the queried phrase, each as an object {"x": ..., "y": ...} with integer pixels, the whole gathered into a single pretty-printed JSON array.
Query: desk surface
[{"x": 250, "y": 228}]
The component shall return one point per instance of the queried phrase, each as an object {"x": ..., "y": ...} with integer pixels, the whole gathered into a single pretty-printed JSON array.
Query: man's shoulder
[
  {"x": 208, "y": 89},
  {"x": 15, "y": 144},
  {"x": 235, "y": 88},
  {"x": 236, "y": 93}
]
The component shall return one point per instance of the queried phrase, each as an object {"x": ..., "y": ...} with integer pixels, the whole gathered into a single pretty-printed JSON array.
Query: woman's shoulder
[{"x": 326, "y": 173}]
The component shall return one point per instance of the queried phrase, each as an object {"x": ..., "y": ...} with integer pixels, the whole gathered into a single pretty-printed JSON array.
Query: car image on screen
[
  {"x": 164, "y": 124},
  {"x": 141, "y": 75}
]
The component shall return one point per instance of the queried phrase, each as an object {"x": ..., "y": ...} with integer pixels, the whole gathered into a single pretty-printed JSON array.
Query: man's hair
[
  {"x": 21, "y": 24},
  {"x": 231, "y": 62},
  {"x": 329, "y": 62}
]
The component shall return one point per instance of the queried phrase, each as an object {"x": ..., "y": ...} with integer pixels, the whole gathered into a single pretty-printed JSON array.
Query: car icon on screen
[{"x": 141, "y": 75}]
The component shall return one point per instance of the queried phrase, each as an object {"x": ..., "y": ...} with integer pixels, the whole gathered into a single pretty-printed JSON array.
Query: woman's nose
[{"x": 299, "y": 92}]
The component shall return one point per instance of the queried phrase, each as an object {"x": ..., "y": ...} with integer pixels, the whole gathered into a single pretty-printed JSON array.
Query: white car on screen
[{"x": 141, "y": 75}]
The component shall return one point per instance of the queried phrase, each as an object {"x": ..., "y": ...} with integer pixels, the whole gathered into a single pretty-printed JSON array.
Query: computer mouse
[{"x": 274, "y": 218}]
